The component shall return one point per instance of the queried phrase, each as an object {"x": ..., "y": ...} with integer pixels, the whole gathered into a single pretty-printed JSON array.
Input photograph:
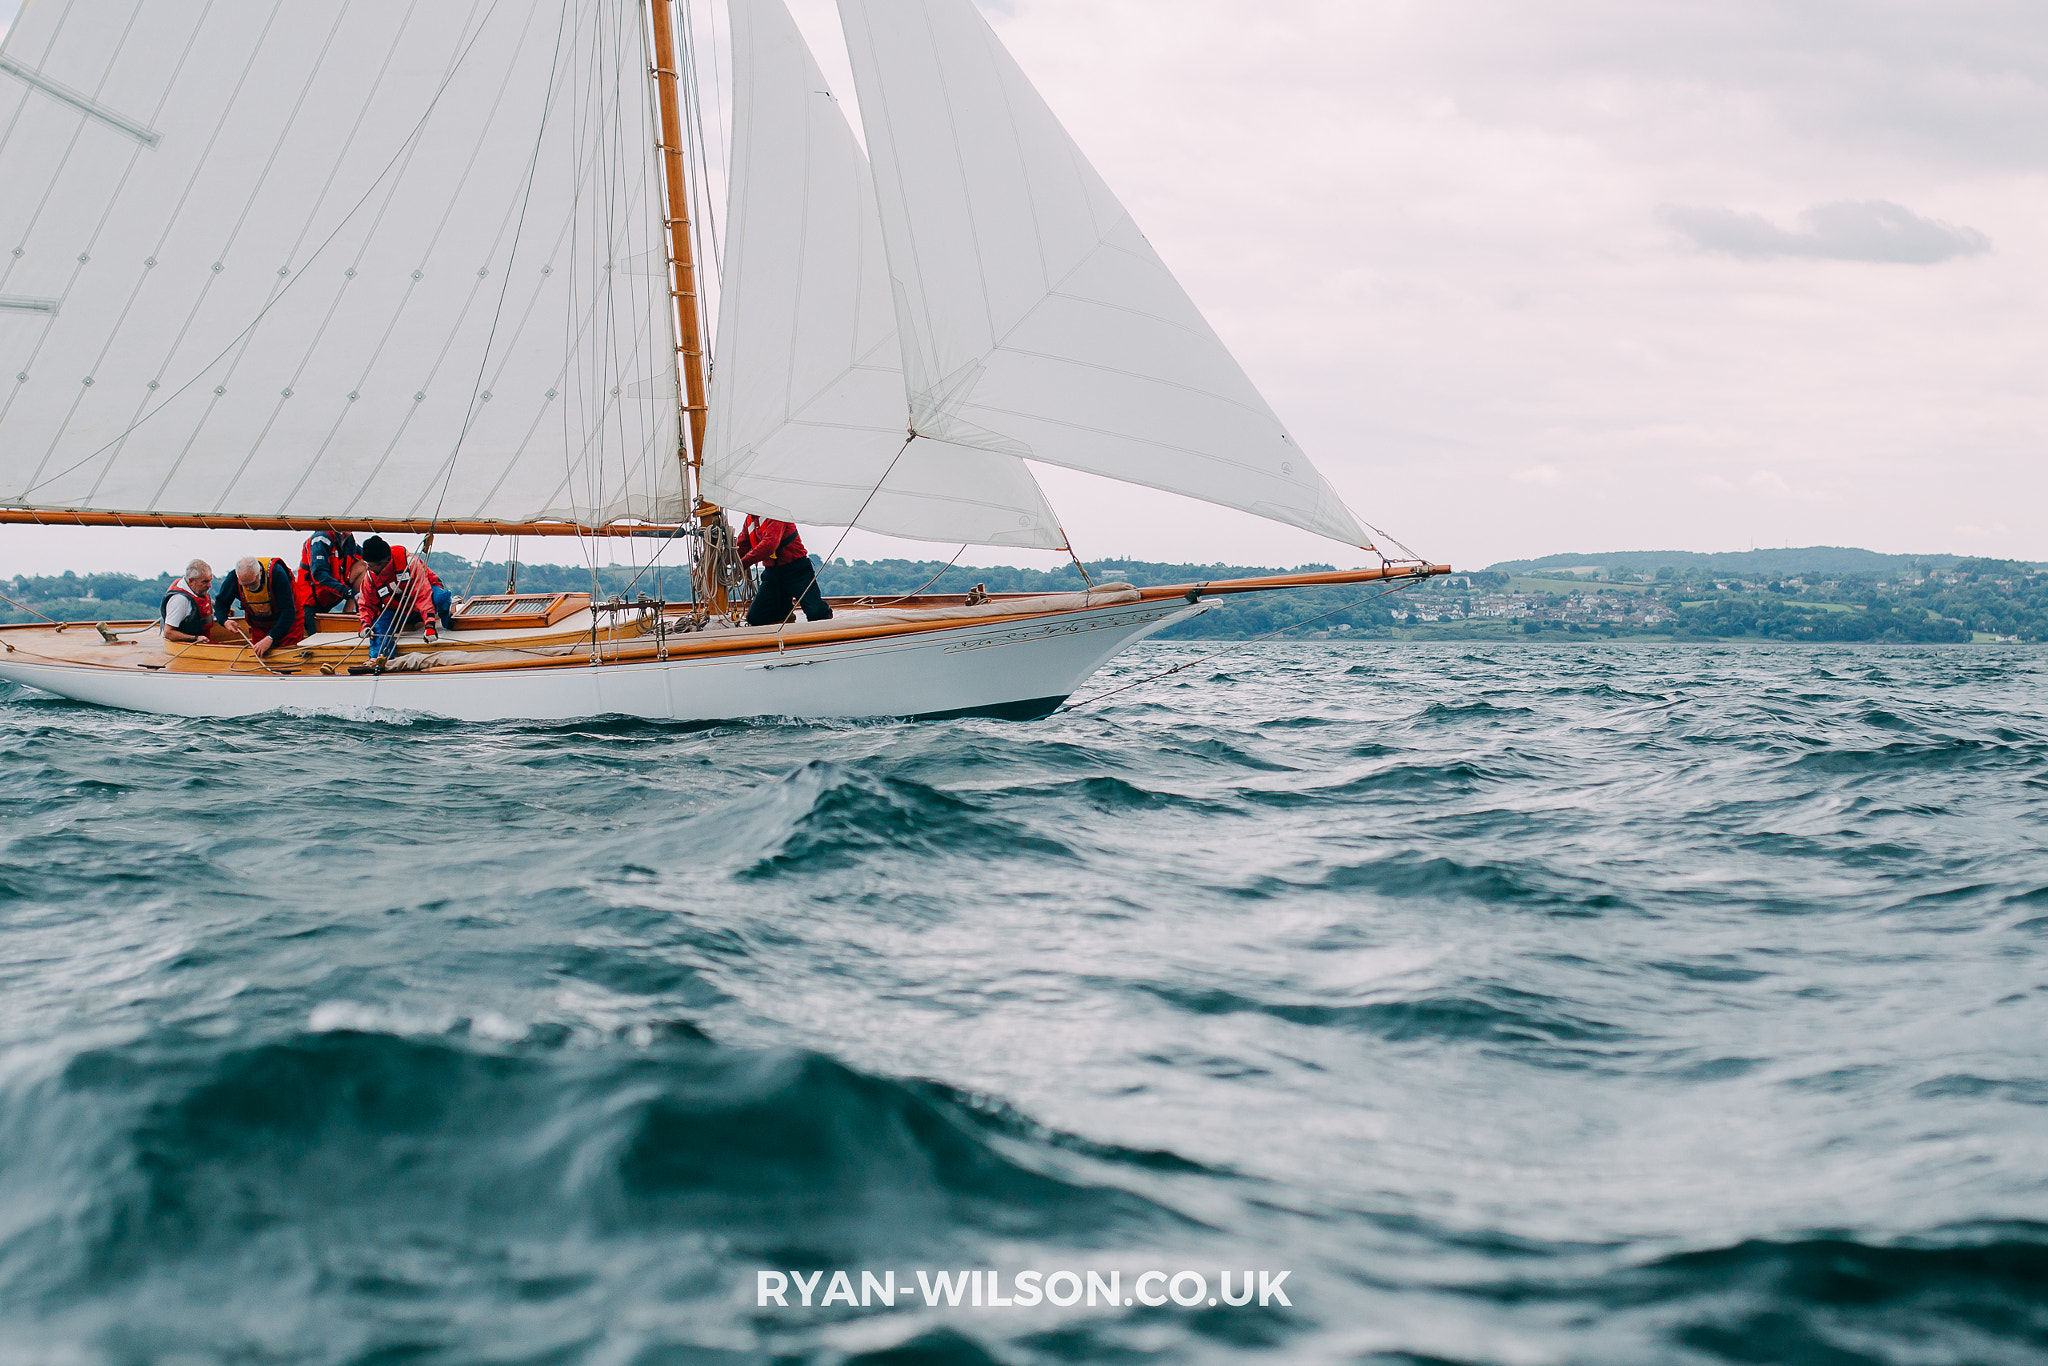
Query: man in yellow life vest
[{"x": 268, "y": 593}]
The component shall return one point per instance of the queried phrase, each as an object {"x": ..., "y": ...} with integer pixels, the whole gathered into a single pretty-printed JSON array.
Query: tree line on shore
[{"x": 1933, "y": 599}]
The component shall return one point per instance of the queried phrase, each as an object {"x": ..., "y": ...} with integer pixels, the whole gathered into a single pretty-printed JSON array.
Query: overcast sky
[{"x": 1585, "y": 275}]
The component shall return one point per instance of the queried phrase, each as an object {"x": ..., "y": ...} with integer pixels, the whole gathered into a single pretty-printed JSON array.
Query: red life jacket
[
  {"x": 789, "y": 546},
  {"x": 344, "y": 563},
  {"x": 202, "y": 609},
  {"x": 381, "y": 587}
]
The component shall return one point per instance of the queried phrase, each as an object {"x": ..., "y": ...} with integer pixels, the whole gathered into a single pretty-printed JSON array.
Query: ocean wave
[
  {"x": 1440, "y": 877},
  {"x": 1949, "y": 752},
  {"x": 1487, "y": 1013},
  {"x": 823, "y": 814},
  {"x": 176, "y": 1151},
  {"x": 1114, "y": 795},
  {"x": 1475, "y": 710},
  {"x": 1972, "y": 1294}
]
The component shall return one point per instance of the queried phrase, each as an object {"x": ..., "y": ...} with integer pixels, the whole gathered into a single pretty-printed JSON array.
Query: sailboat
[{"x": 386, "y": 266}]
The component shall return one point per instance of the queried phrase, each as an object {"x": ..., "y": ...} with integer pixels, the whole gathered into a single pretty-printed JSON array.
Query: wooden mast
[
  {"x": 712, "y": 548},
  {"x": 682, "y": 264}
]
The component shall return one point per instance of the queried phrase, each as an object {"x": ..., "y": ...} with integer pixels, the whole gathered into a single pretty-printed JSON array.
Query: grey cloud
[
  {"x": 1860, "y": 230},
  {"x": 1961, "y": 83}
]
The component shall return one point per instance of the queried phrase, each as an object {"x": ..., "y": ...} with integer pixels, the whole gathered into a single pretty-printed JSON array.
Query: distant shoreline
[{"x": 1818, "y": 595}]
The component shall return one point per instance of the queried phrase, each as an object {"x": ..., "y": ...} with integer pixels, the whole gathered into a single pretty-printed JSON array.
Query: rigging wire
[
  {"x": 24, "y": 607},
  {"x": 928, "y": 582},
  {"x": 1379, "y": 536},
  {"x": 693, "y": 108},
  {"x": 504, "y": 287},
  {"x": 847, "y": 530},
  {"x": 478, "y": 567},
  {"x": 1238, "y": 645}
]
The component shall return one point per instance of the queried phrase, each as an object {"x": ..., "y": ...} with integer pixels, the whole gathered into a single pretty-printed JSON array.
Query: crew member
[
  {"x": 327, "y": 574},
  {"x": 397, "y": 592},
  {"x": 269, "y": 597},
  {"x": 787, "y": 575},
  {"x": 188, "y": 612}
]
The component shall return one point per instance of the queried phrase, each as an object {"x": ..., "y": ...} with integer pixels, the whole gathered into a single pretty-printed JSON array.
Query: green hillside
[{"x": 1816, "y": 559}]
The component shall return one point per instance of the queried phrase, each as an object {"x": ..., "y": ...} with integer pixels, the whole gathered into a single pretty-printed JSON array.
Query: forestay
[
  {"x": 370, "y": 259},
  {"x": 1036, "y": 320},
  {"x": 807, "y": 416}
]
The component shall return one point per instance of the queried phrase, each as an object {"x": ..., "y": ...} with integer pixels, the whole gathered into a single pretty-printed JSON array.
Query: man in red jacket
[
  {"x": 787, "y": 575},
  {"x": 397, "y": 593}
]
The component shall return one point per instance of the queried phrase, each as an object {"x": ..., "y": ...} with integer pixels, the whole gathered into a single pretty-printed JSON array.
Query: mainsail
[
  {"x": 807, "y": 415},
  {"x": 374, "y": 259},
  {"x": 1035, "y": 320}
]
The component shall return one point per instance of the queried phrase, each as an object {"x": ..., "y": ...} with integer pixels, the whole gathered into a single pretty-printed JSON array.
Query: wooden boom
[{"x": 415, "y": 526}]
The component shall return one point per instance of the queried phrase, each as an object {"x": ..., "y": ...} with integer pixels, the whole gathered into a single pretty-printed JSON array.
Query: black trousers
[{"x": 786, "y": 585}]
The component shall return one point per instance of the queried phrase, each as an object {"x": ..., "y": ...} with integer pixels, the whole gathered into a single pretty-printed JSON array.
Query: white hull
[{"x": 1006, "y": 668}]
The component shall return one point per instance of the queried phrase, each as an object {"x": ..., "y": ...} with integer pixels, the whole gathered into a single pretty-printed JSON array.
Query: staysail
[
  {"x": 807, "y": 414},
  {"x": 1035, "y": 319},
  {"x": 370, "y": 260}
]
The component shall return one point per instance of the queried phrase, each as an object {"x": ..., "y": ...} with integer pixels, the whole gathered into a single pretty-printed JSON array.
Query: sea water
[{"x": 1519, "y": 1004}]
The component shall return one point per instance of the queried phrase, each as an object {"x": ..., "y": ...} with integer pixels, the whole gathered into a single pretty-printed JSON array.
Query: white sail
[
  {"x": 364, "y": 259},
  {"x": 807, "y": 419},
  {"x": 1036, "y": 319}
]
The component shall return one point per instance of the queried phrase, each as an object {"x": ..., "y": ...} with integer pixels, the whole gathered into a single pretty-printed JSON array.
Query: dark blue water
[{"x": 1618, "y": 1004}]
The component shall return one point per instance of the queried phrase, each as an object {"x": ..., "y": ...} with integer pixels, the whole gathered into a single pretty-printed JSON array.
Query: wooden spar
[
  {"x": 397, "y": 526},
  {"x": 682, "y": 264},
  {"x": 1319, "y": 579},
  {"x": 1398, "y": 573},
  {"x": 689, "y": 326}
]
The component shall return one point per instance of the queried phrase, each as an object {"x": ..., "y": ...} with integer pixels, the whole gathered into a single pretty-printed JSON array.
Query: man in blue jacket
[{"x": 328, "y": 566}]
